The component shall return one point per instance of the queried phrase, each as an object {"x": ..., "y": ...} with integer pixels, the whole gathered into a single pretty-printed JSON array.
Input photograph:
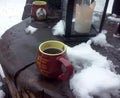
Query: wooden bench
[{"x": 18, "y": 52}]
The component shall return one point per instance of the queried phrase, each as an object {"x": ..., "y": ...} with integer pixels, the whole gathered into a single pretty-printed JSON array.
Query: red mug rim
[{"x": 39, "y": 3}]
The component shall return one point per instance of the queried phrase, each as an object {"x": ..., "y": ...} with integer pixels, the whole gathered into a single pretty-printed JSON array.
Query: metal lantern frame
[{"x": 68, "y": 23}]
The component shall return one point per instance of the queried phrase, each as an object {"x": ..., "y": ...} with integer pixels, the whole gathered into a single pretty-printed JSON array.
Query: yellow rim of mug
[
  {"x": 59, "y": 44},
  {"x": 39, "y": 3}
]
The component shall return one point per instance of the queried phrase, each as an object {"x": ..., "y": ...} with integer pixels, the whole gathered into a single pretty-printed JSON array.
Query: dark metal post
[
  {"x": 103, "y": 16},
  {"x": 69, "y": 17}
]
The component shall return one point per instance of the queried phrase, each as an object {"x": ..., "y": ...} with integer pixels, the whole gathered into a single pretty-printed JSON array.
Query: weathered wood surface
[{"x": 18, "y": 50}]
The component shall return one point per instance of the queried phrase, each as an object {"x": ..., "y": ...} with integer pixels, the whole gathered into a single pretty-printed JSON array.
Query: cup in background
[{"x": 39, "y": 10}]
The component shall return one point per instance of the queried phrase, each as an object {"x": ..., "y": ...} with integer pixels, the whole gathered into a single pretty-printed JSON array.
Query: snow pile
[
  {"x": 95, "y": 81},
  {"x": 101, "y": 39},
  {"x": 94, "y": 74},
  {"x": 83, "y": 56},
  {"x": 58, "y": 29}
]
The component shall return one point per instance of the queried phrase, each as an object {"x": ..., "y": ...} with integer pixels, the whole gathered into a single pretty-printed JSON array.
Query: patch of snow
[
  {"x": 58, "y": 29},
  {"x": 94, "y": 74},
  {"x": 1, "y": 72},
  {"x": 2, "y": 94},
  {"x": 114, "y": 19},
  {"x": 31, "y": 29},
  {"x": 116, "y": 36},
  {"x": 101, "y": 39}
]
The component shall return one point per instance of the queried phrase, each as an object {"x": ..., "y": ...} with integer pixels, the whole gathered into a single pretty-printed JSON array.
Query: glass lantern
[{"x": 83, "y": 18}]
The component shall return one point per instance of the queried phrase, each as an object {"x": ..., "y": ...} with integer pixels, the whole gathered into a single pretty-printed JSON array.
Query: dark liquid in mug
[{"x": 52, "y": 51}]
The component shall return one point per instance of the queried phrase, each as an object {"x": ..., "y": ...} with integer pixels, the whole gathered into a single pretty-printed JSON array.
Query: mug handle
[{"x": 67, "y": 66}]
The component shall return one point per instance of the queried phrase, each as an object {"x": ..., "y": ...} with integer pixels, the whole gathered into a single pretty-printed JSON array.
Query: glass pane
[
  {"x": 83, "y": 16},
  {"x": 98, "y": 13}
]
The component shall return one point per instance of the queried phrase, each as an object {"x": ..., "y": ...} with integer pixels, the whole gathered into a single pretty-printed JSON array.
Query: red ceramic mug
[
  {"x": 52, "y": 61},
  {"x": 39, "y": 10}
]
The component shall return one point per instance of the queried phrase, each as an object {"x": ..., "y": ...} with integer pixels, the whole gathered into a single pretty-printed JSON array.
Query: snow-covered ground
[{"x": 10, "y": 13}]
